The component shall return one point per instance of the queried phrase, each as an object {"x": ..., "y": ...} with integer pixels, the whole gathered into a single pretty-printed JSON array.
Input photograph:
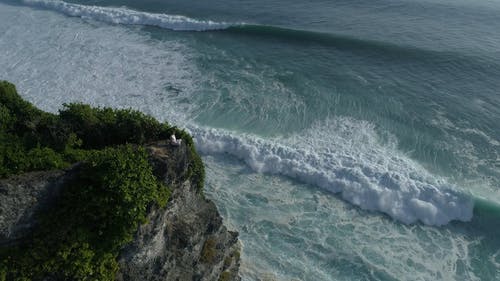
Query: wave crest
[
  {"x": 362, "y": 171},
  {"x": 127, "y": 16},
  {"x": 344, "y": 156}
]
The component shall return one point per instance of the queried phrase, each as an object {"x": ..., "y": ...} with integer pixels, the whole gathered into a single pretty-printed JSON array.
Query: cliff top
[{"x": 72, "y": 224}]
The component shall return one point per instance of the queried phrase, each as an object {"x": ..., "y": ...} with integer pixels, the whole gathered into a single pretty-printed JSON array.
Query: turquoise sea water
[{"x": 344, "y": 140}]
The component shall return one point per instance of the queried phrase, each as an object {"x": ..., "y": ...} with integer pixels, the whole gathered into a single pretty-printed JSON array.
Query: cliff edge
[
  {"x": 95, "y": 194},
  {"x": 184, "y": 241}
]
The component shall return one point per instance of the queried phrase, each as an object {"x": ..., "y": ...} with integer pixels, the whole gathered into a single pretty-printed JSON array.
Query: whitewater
[
  {"x": 361, "y": 172},
  {"x": 123, "y": 15},
  {"x": 337, "y": 193}
]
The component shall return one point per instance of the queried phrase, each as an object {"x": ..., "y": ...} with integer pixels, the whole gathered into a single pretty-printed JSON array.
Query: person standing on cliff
[{"x": 174, "y": 141}]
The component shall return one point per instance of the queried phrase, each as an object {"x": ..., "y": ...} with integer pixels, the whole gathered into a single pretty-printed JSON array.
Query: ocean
[{"x": 343, "y": 140}]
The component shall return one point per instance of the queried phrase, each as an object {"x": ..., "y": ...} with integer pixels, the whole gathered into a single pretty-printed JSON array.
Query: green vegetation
[
  {"x": 28, "y": 135},
  {"x": 101, "y": 206},
  {"x": 101, "y": 127},
  {"x": 97, "y": 214},
  {"x": 31, "y": 139}
]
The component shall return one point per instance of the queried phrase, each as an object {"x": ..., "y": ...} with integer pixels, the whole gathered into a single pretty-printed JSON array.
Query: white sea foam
[
  {"x": 54, "y": 60},
  {"x": 342, "y": 156},
  {"x": 298, "y": 234},
  {"x": 122, "y": 15},
  {"x": 345, "y": 157}
]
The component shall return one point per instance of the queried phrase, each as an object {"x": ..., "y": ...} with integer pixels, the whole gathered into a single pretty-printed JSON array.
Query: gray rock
[
  {"x": 184, "y": 241},
  {"x": 23, "y": 196}
]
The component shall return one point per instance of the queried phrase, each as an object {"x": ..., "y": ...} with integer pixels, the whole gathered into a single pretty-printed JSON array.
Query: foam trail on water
[
  {"x": 342, "y": 156},
  {"x": 123, "y": 15},
  {"x": 364, "y": 172}
]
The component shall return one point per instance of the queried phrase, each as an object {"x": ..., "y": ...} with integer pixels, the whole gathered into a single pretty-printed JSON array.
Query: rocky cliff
[{"x": 184, "y": 241}]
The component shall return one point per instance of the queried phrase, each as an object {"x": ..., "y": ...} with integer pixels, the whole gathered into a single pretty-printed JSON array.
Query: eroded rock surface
[
  {"x": 188, "y": 240},
  {"x": 23, "y": 196},
  {"x": 184, "y": 241}
]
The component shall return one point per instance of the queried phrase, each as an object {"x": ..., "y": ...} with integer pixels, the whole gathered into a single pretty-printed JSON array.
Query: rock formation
[{"x": 184, "y": 241}]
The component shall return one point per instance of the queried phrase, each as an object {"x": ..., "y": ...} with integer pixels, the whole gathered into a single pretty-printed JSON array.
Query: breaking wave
[
  {"x": 127, "y": 16},
  {"x": 122, "y": 15},
  {"x": 344, "y": 157},
  {"x": 364, "y": 172}
]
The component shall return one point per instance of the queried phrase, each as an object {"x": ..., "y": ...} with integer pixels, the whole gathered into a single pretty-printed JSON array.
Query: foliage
[
  {"x": 30, "y": 139},
  {"x": 3, "y": 272},
  {"x": 64, "y": 138},
  {"x": 101, "y": 127},
  {"x": 16, "y": 158},
  {"x": 33, "y": 126},
  {"x": 107, "y": 198},
  {"x": 97, "y": 214}
]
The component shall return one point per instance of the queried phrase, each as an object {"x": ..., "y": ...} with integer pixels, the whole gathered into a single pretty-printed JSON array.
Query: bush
[
  {"x": 6, "y": 119},
  {"x": 97, "y": 214},
  {"x": 100, "y": 208},
  {"x": 42, "y": 158},
  {"x": 33, "y": 126},
  {"x": 27, "y": 135},
  {"x": 77, "y": 127},
  {"x": 15, "y": 158},
  {"x": 3, "y": 272},
  {"x": 101, "y": 127},
  {"x": 23, "y": 115}
]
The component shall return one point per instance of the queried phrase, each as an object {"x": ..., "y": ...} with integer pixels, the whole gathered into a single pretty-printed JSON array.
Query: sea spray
[
  {"x": 344, "y": 158},
  {"x": 365, "y": 173}
]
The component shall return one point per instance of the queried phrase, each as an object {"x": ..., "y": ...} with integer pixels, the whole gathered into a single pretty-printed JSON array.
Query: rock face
[
  {"x": 184, "y": 241},
  {"x": 187, "y": 241},
  {"x": 23, "y": 196}
]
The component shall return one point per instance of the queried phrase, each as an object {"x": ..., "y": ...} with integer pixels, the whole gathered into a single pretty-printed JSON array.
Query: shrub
[
  {"x": 78, "y": 127},
  {"x": 26, "y": 114},
  {"x": 101, "y": 127},
  {"x": 43, "y": 158},
  {"x": 15, "y": 158},
  {"x": 27, "y": 135},
  {"x": 102, "y": 205},
  {"x": 33, "y": 126},
  {"x": 3, "y": 272},
  {"x": 97, "y": 214},
  {"x": 6, "y": 119}
]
